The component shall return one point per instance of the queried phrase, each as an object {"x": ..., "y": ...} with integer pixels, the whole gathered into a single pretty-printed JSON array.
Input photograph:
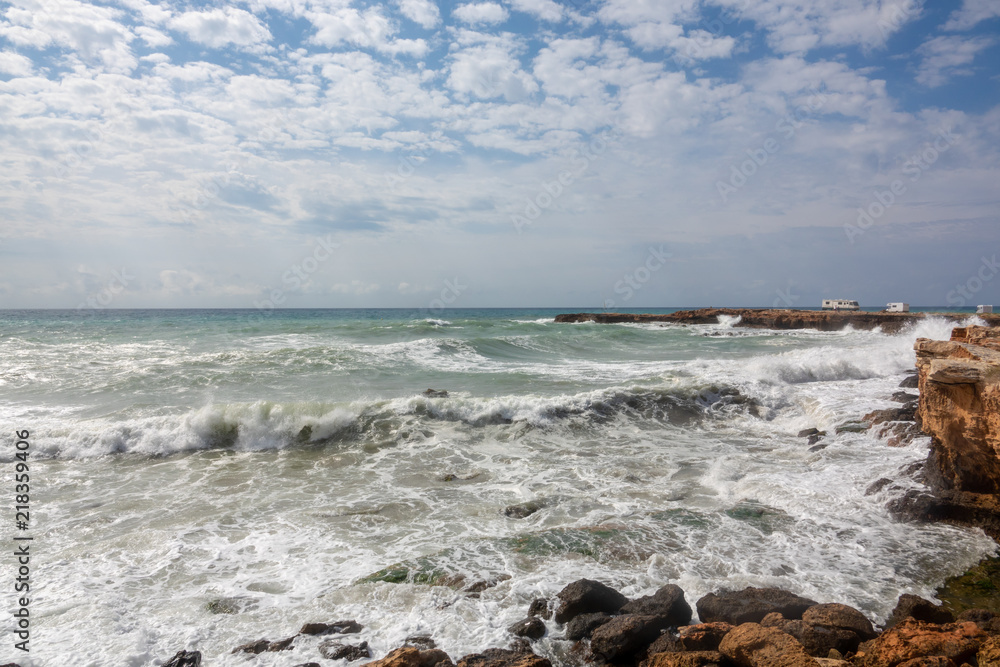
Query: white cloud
[
  {"x": 153, "y": 37},
  {"x": 972, "y": 13},
  {"x": 546, "y": 10},
  {"x": 481, "y": 13},
  {"x": 948, "y": 57},
  {"x": 370, "y": 29},
  {"x": 489, "y": 69},
  {"x": 15, "y": 64},
  {"x": 424, "y": 12},
  {"x": 218, "y": 28}
]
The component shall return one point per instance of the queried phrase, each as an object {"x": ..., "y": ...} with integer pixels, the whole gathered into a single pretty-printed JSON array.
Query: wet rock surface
[
  {"x": 751, "y": 605},
  {"x": 587, "y": 596}
]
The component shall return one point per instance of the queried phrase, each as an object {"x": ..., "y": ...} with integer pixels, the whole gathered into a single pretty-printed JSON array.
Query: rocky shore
[{"x": 767, "y": 318}]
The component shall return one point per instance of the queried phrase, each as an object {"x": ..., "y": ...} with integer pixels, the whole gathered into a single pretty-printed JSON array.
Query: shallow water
[{"x": 276, "y": 463}]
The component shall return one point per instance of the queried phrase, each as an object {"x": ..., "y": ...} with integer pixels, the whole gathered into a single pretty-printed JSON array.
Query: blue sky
[{"x": 582, "y": 153}]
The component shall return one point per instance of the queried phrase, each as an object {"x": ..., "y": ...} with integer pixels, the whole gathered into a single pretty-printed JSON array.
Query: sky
[{"x": 593, "y": 154}]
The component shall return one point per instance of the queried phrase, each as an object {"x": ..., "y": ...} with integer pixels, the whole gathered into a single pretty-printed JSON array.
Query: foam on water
[{"x": 657, "y": 454}]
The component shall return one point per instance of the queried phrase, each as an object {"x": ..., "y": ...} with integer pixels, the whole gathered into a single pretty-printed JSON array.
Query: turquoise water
[{"x": 278, "y": 461}]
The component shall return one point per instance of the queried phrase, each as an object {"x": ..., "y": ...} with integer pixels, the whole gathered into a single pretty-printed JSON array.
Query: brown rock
[
  {"x": 420, "y": 641},
  {"x": 540, "y": 608},
  {"x": 337, "y": 627},
  {"x": 691, "y": 659},
  {"x": 583, "y": 625},
  {"x": 928, "y": 661},
  {"x": 256, "y": 647},
  {"x": 308, "y": 664},
  {"x": 818, "y": 641},
  {"x": 833, "y": 615},
  {"x": 704, "y": 636},
  {"x": 917, "y": 639},
  {"x": 412, "y": 657},
  {"x": 913, "y": 606},
  {"x": 585, "y": 597},
  {"x": 624, "y": 637},
  {"x": 499, "y": 657},
  {"x": 750, "y": 605},
  {"x": 668, "y": 642},
  {"x": 753, "y": 645},
  {"x": 989, "y": 653},
  {"x": 531, "y": 628},
  {"x": 180, "y": 659},
  {"x": 668, "y": 602},
  {"x": 281, "y": 645}
]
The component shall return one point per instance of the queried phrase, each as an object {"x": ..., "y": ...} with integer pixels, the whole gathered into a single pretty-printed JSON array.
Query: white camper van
[
  {"x": 984, "y": 310},
  {"x": 897, "y": 307},
  {"x": 840, "y": 304}
]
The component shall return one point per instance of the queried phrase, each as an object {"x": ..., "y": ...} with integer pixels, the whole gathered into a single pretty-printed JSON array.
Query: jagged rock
[
  {"x": 180, "y": 659},
  {"x": 917, "y": 639},
  {"x": 877, "y": 486},
  {"x": 586, "y": 596},
  {"x": 498, "y": 657},
  {"x": 817, "y": 640},
  {"x": 483, "y": 584},
  {"x": 281, "y": 645},
  {"x": 255, "y": 647},
  {"x": 813, "y": 439},
  {"x": 852, "y": 427},
  {"x": 668, "y": 642},
  {"x": 522, "y": 510},
  {"x": 751, "y": 605},
  {"x": 753, "y": 645},
  {"x": 334, "y": 650},
  {"x": 989, "y": 653},
  {"x": 412, "y": 657},
  {"x": 907, "y": 413},
  {"x": 929, "y": 661},
  {"x": 704, "y": 636},
  {"x": 624, "y": 637},
  {"x": 818, "y": 448},
  {"x": 436, "y": 393},
  {"x": 905, "y": 397},
  {"x": 540, "y": 607},
  {"x": 809, "y": 432},
  {"x": 420, "y": 641},
  {"x": 337, "y": 627},
  {"x": 667, "y": 602},
  {"x": 910, "y": 382},
  {"x": 834, "y": 615},
  {"x": 531, "y": 627},
  {"x": 913, "y": 606},
  {"x": 692, "y": 659}
]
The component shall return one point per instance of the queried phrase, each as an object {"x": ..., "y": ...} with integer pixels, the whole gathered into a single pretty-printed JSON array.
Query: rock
[
  {"x": 692, "y": 659},
  {"x": 412, "y": 657},
  {"x": 523, "y": 510},
  {"x": 256, "y": 647},
  {"x": 905, "y": 397},
  {"x": 809, "y": 432},
  {"x": 483, "y": 584},
  {"x": 703, "y": 637},
  {"x": 668, "y": 603},
  {"x": 852, "y": 427},
  {"x": 668, "y": 642},
  {"x": 334, "y": 650},
  {"x": 907, "y": 413},
  {"x": 989, "y": 653},
  {"x": 818, "y": 641},
  {"x": 813, "y": 439},
  {"x": 750, "y": 605},
  {"x": 977, "y": 616},
  {"x": 587, "y": 596},
  {"x": 753, "y": 645},
  {"x": 910, "y": 382},
  {"x": 912, "y": 606},
  {"x": 917, "y": 639},
  {"x": 337, "y": 627},
  {"x": 877, "y": 486},
  {"x": 624, "y": 637},
  {"x": 531, "y": 627},
  {"x": 280, "y": 645},
  {"x": 498, "y": 657},
  {"x": 420, "y": 641},
  {"x": 436, "y": 393},
  {"x": 833, "y": 615},
  {"x": 540, "y": 607},
  {"x": 928, "y": 661},
  {"x": 308, "y": 664},
  {"x": 818, "y": 448},
  {"x": 224, "y": 606},
  {"x": 180, "y": 659}
]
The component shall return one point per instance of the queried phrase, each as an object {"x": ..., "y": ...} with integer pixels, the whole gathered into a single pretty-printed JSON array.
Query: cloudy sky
[{"x": 576, "y": 153}]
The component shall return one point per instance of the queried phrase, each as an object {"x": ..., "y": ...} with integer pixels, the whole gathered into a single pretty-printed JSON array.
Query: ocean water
[{"x": 288, "y": 468}]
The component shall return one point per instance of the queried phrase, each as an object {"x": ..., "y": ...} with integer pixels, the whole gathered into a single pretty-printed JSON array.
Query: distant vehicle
[
  {"x": 984, "y": 310},
  {"x": 897, "y": 307},
  {"x": 840, "y": 304}
]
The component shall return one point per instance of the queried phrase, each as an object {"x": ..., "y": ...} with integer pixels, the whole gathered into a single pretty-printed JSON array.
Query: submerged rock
[
  {"x": 420, "y": 641},
  {"x": 522, "y": 510},
  {"x": 751, "y": 605},
  {"x": 540, "y": 607},
  {"x": 334, "y": 650},
  {"x": 337, "y": 627},
  {"x": 436, "y": 393},
  {"x": 180, "y": 659},
  {"x": 254, "y": 647},
  {"x": 587, "y": 596}
]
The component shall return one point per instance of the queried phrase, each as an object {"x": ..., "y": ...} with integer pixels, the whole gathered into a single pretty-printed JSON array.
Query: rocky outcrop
[
  {"x": 767, "y": 318},
  {"x": 959, "y": 408},
  {"x": 413, "y": 657},
  {"x": 586, "y": 596},
  {"x": 751, "y": 605},
  {"x": 911, "y": 639},
  {"x": 753, "y": 645},
  {"x": 180, "y": 659}
]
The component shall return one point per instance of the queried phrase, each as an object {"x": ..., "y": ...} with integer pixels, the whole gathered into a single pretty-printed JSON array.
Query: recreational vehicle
[
  {"x": 897, "y": 307},
  {"x": 984, "y": 310},
  {"x": 840, "y": 304}
]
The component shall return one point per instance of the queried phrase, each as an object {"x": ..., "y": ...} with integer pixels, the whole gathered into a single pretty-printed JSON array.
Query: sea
[{"x": 200, "y": 479}]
